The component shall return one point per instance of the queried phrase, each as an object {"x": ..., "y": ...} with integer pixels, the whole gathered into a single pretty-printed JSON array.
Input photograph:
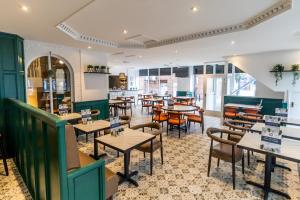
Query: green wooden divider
[
  {"x": 37, "y": 139},
  {"x": 101, "y": 105},
  {"x": 184, "y": 93},
  {"x": 268, "y": 104}
]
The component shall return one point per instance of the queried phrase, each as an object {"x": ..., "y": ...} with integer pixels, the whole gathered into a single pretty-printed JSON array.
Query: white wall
[
  {"x": 265, "y": 92},
  {"x": 85, "y": 87},
  {"x": 258, "y": 65}
]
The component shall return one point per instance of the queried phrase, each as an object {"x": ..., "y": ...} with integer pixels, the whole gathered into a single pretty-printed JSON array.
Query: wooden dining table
[
  {"x": 114, "y": 103},
  {"x": 179, "y": 108},
  {"x": 290, "y": 150},
  {"x": 128, "y": 140},
  {"x": 71, "y": 117}
]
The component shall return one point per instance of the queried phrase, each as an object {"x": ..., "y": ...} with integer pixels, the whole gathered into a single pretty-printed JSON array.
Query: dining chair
[
  {"x": 252, "y": 117},
  {"x": 224, "y": 149},
  {"x": 242, "y": 126},
  {"x": 230, "y": 112},
  {"x": 95, "y": 114},
  {"x": 176, "y": 119},
  {"x": 157, "y": 143},
  {"x": 127, "y": 105},
  {"x": 3, "y": 153},
  {"x": 146, "y": 104},
  {"x": 159, "y": 116},
  {"x": 196, "y": 118}
]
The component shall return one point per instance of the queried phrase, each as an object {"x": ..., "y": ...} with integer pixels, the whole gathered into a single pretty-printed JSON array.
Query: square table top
[
  {"x": 97, "y": 125},
  {"x": 237, "y": 105},
  {"x": 70, "y": 116},
  {"x": 290, "y": 149},
  {"x": 128, "y": 139},
  {"x": 289, "y": 132}
]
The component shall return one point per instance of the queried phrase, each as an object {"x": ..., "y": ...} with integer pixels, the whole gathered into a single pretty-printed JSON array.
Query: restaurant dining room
[{"x": 151, "y": 100}]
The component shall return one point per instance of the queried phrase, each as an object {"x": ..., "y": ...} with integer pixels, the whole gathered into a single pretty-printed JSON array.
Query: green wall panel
[
  {"x": 268, "y": 104},
  {"x": 101, "y": 105},
  {"x": 38, "y": 141}
]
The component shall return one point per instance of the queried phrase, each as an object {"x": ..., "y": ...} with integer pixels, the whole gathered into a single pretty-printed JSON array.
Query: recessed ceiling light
[
  {"x": 89, "y": 47},
  {"x": 140, "y": 56},
  {"x": 24, "y": 8},
  {"x": 61, "y": 62},
  {"x": 125, "y": 31},
  {"x": 176, "y": 51},
  {"x": 194, "y": 9},
  {"x": 232, "y": 42}
]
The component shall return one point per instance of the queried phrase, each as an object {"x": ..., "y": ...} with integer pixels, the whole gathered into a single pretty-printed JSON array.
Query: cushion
[
  {"x": 224, "y": 152},
  {"x": 147, "y": 146},
  {"x": 230, "y": 114},
  {"x": 71, "y": 148},
  {"x": 176, "y": 121}
]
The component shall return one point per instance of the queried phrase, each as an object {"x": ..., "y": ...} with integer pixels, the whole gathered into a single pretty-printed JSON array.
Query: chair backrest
[
  {"x": 230, "y": 109},
  {"x": 241, "y": 125},
  {"x": 147, "y": 125},
  {"x": 252, "y": 117},
  {"x": 174, "y": 115},
  {"x": 216, "y": 135},
  {"x": 251, "y": 110}
]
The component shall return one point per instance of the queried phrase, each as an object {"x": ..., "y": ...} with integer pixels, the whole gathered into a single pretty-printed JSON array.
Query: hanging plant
[
  {"x": 278, "y": 69},
  {"x": 295, "y": 69}
]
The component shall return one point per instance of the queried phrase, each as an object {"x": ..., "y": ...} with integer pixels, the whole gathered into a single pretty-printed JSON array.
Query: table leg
[
  {"x": 274, "y": 164},
  {"x": 126, "y": 176},
  {"x": 151, "y": 158},
  {"x": 96, "y": 155},
  {"x": 267, "y": 180}
]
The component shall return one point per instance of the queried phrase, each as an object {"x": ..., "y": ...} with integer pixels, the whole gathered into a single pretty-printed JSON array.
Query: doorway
[
  {"x": 294, "y": 105},
  {"x": 49, "y": 83}
]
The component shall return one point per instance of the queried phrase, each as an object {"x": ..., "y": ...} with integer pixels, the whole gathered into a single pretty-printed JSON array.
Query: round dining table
[{"x": 180, "y": 108}]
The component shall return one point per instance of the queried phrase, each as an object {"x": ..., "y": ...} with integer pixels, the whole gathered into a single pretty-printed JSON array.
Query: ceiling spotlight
[
  {"x": 194, "y": 9},
  {"x": 89, "y": 47},
  {"x": 61, "y": 62},
  {"x": 176, "y": 51},
  {"x": 140, "y": 56},
  {"x": 125, "y": 31},
  {"x": 24, "y": 8},
  {"x": 232, "y": 42}
]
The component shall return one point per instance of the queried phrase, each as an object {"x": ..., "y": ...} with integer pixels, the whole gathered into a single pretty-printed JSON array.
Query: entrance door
[{"x": 213, "y": 93}]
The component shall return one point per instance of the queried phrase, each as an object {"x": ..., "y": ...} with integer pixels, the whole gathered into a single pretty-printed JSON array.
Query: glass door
[{"x": 213, "y": 92}]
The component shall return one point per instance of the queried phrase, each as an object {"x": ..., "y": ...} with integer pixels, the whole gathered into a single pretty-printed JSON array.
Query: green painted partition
[
  {"x": 101, "y": 105},
  {"x": 268, "y": 104},
  {"x": 38, "y": 142},
  {"x": 184, "y": 93}
]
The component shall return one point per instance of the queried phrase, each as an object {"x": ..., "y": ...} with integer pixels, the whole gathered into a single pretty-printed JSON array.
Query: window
[
  {"x": 209, "y": 69},
  {"x": 240, "y": 83}
]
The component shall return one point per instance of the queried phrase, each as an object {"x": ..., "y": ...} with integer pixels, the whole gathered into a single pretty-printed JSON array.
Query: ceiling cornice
[{"x": 265, "y": 15}]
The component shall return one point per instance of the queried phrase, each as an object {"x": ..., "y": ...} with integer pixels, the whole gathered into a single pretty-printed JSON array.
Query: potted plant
[
  {"x": 295, "y": 69},
  {"x": 278, "y": 69},
  {"x": 90, "y": 68},
  {"x": 103, "y": 69}
]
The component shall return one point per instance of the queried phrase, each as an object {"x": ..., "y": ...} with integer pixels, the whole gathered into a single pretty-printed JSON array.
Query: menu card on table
[
  {"x": 86, "y": 116},
  {"x": 62, "y": 109},
  {"x": 115, "y": 128},
  {"x": 271, "y": 135}
]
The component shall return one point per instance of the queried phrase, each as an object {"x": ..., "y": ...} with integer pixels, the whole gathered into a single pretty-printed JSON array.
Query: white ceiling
[{"x": 159, "y": 19}]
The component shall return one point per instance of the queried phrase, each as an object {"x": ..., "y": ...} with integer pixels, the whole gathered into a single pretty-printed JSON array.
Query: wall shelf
[
  {"x": 285, "y": 71},
  {"x": 96, "y": 73}
]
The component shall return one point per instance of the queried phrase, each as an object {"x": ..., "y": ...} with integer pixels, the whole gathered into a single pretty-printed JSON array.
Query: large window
[
  {"x": 240, "y": 83},
  {"x": 144, "y": 80},
  {"x": 154, "y": 81}
]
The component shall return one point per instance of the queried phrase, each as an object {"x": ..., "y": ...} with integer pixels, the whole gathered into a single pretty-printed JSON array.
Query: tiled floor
[{"x": 183, "y": 175}]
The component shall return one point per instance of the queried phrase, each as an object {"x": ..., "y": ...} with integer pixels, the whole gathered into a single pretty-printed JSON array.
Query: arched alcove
[{"x": 40, "y": 93}]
